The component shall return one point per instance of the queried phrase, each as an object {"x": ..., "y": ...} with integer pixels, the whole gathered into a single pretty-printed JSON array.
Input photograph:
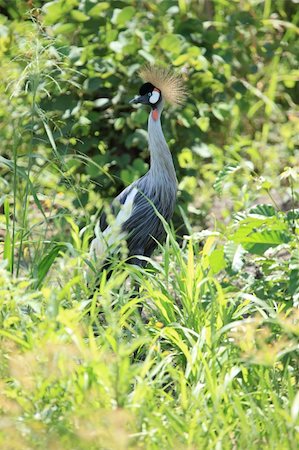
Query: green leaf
[
  {"x": 203, "y": 123},
  {"x": 292, "y": 215},
  {"x": 122, "y": 16},
  {"x": 99, "y": 102},
  {"x": 46, "y": 263},
  {"x": 96, "y": 10},
  {"x": 8, "y": 251},
  {"x": 182, "y": 6},
  {"x": 64, "y": 28},
  {"x": 294, "y": 274},
  {"x": 202, "y": 150},
  {"x": 56, "y": 10},
  {"x": 79, "y": 16},
  {"x": 217, "y": 113},
  {"x": 171, "y": 43},
  {"x": 234, "y": 254},
  {"x": 119, "y": 123},
  {"x": 175, "y": 338},
  {"x": 51, "y": 138},
  {"x": 263, "y": 210},
  {"x": 222, "y": 176},
  {"x": 257, "y": 233},
  {"x": 117, "y": 46},
  {"x": 257, "y": 242},
  {"x": 217, "y": 260}
]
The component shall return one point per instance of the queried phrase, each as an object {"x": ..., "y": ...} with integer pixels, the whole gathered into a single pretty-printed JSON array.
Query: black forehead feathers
[{"x": 145, "y": 88}]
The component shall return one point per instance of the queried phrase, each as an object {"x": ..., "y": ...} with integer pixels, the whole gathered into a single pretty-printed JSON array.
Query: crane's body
[{"x": 135, "y": 208}]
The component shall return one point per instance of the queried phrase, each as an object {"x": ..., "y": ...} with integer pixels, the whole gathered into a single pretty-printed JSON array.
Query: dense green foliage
[{"x": 214, "y": 361}]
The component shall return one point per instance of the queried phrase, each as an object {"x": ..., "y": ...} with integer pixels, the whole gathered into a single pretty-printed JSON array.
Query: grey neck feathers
[{"x": 161, "y": 160}]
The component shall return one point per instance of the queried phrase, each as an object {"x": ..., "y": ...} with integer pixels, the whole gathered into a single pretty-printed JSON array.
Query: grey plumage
[{"x": 156, "y": 189}]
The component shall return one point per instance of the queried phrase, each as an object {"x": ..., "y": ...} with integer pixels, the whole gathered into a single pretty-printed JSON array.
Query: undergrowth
[{"x": 212, "y": 361}]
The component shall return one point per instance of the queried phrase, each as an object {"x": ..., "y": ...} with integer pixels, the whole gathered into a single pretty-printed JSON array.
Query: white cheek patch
[{"x": 154, "y": 97}]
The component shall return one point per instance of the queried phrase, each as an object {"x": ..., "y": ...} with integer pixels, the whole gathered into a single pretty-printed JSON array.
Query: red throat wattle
[{"x": 155, "y": 114}]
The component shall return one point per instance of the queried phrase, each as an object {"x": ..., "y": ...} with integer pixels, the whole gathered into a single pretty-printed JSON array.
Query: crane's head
[
  {"x": 148, "y": 95},
  {"x": 160, "y": 83}
]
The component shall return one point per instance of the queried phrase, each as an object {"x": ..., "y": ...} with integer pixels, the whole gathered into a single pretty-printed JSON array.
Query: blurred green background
[{"x": 69, "y": 69}]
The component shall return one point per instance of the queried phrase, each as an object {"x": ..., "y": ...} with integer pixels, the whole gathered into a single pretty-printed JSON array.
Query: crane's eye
[{"x": 149, "y": 94}]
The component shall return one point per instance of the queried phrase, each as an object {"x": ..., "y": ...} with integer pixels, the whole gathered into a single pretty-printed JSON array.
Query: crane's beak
[
  {"x": 135, "y": 100},
  {"x": 140, "y": 99}
]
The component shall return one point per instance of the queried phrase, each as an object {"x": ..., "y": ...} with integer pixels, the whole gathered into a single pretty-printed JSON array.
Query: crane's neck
[{"x": 161, "y": 159}]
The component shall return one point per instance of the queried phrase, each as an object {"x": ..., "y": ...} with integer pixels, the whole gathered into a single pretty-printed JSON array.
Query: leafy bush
[{"x": 240, "y": 67}]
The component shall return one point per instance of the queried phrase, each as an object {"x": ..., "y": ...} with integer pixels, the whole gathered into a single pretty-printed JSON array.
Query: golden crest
[{"x": 169, "y": 83}]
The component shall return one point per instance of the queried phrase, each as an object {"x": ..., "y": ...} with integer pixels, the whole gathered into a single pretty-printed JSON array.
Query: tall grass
[
  {"x": 194, "y": 373},
  {"x": 31, "y": 245}
]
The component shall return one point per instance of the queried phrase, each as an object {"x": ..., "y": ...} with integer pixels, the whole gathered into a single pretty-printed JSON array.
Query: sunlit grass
[{"x": 81, "y": 371}]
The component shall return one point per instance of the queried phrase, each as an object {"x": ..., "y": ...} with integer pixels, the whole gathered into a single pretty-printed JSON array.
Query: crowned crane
[{"x": 135, "y": 208}]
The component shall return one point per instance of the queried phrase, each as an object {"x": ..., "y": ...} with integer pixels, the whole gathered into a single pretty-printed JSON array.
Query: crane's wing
[
  {"x": 108, "y": 236},
  {"x": 144, "y": 226},
  {"x": 115, "y": 206},
  {"x": 136, "y": 220}
]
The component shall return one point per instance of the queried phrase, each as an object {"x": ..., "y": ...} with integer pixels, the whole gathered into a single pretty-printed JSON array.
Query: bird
[{"x": 134, "y": 211}]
